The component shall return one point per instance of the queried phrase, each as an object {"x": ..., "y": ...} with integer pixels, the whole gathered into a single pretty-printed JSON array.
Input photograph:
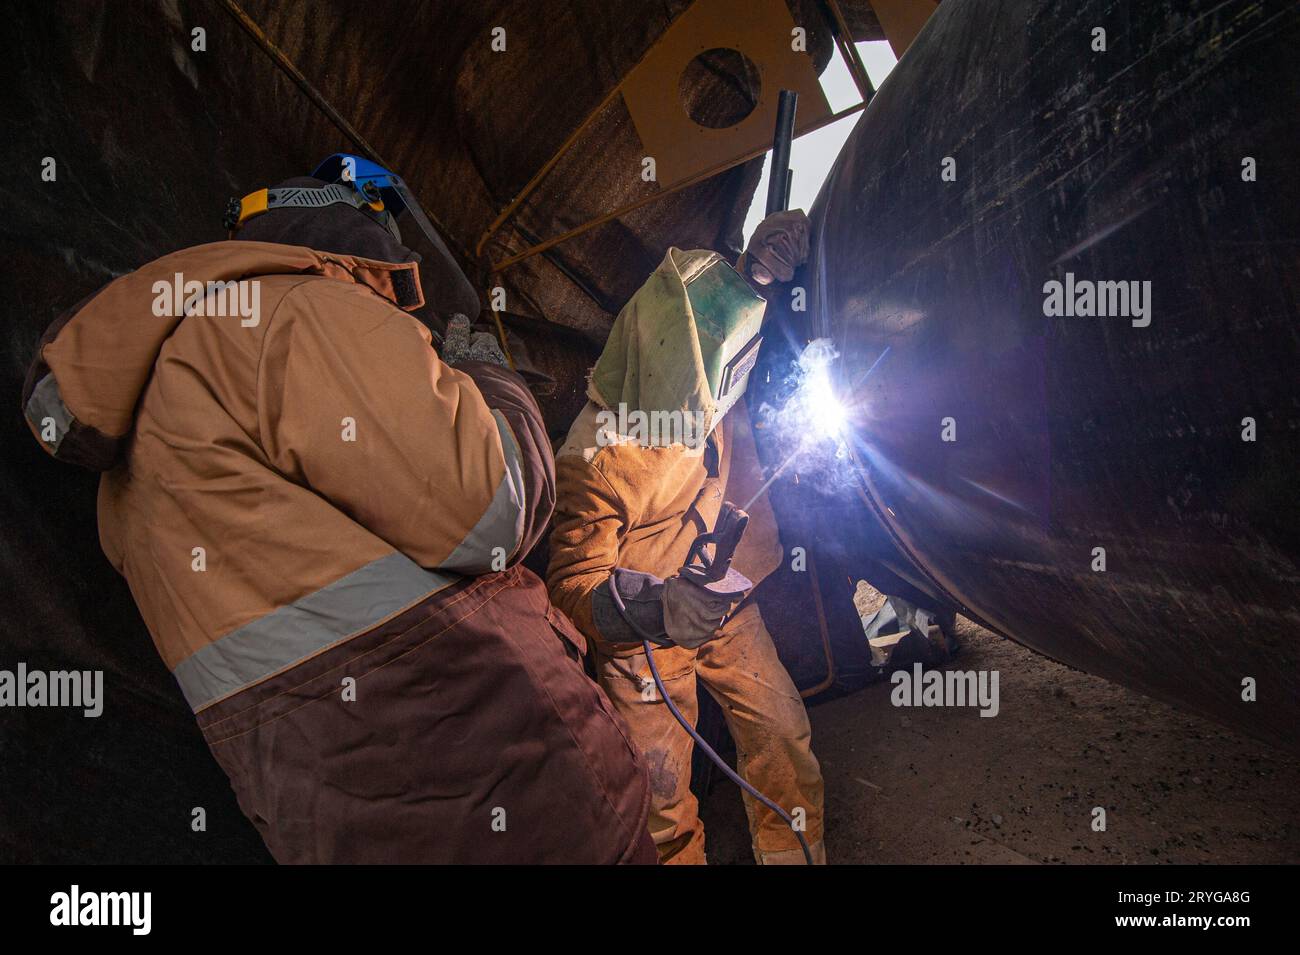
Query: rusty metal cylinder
[{"x": 1076, "y": 227}]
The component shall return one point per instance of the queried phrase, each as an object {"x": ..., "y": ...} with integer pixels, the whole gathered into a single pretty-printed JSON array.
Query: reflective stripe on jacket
[
  {"x": 305, "y": 472},
  {"x": 320, "y": 523}
]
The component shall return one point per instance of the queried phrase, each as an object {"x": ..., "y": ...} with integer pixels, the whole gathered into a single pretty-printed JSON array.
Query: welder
[
  {"x": 629, "y": 508},
  {"x": 321, "y": 521}
]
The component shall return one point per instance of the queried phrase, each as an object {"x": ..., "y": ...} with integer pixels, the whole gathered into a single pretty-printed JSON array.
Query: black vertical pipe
[{"x": 778, "y": 186}]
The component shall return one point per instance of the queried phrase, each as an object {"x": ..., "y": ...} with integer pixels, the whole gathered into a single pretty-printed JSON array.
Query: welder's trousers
[{"x": 767, "y": 720}]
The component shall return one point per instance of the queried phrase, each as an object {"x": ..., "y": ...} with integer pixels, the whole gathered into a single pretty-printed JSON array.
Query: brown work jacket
[
  {"x": 321, "y": 524},
  {"x": 622, "y": 504}
]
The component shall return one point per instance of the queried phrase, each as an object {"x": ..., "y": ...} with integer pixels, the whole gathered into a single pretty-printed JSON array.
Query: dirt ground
[{"x": 921, "y": 785}]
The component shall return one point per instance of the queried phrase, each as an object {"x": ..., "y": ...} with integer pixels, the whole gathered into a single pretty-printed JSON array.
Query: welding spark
[{"x": 815, "y": 403}]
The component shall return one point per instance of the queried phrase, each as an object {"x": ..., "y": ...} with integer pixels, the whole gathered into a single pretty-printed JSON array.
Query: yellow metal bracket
[{"x": 685, "y": 152}]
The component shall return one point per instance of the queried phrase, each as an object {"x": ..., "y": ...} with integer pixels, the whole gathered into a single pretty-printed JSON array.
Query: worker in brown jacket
[
  {"x": 633, "y": 496},
  {"x": 322, "y": 521}
]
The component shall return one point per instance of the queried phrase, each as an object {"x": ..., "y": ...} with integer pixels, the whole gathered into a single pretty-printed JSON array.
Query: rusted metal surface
[
  {"x": 1076, "y": 433},
  {"x": 151, "y": 137}
]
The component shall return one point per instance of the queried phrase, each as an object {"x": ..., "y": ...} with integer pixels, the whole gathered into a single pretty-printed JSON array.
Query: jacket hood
[
  {"x": 344, "y": 230},
  {"x": 94, "y": 362}
]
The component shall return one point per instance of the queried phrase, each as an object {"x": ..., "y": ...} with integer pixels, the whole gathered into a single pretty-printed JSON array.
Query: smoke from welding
[{"x": 809, "y": 429}]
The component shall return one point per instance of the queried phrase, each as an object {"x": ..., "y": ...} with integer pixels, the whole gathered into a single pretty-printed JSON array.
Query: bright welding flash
[{"x": 828, "y": 415}]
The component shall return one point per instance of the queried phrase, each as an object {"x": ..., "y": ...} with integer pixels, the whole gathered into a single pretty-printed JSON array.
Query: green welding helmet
[{"x": 728, "y": 322}]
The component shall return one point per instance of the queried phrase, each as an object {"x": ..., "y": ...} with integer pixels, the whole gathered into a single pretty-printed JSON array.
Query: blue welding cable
[{"x": 730, "y": 773}]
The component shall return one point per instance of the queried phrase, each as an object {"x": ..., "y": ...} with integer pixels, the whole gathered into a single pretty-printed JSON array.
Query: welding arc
[
  {"x": 804, "y": 442},
  {"x": 708, "y": 750}
]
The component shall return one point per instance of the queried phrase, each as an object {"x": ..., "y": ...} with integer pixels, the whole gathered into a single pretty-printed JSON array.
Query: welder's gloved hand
[
  {"x": 693, "y": 614},
  {"x": 778, "y": 247},
  {"x": 641, "y": 616},
  {"x": 461, "y": 343}
]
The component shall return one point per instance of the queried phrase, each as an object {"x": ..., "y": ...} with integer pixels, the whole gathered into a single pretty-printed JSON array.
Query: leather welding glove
[
  {"x": 778, "y": 246},
  {"x": 693, "y": 615},
  {"x": 642, "y": 614},
  {"x": 461, "y": 343}
]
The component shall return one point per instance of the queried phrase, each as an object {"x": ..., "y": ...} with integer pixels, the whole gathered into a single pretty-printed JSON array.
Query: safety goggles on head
[
  {"x": 353, "y": 181},
  {"x": 728, "y": 322}
]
